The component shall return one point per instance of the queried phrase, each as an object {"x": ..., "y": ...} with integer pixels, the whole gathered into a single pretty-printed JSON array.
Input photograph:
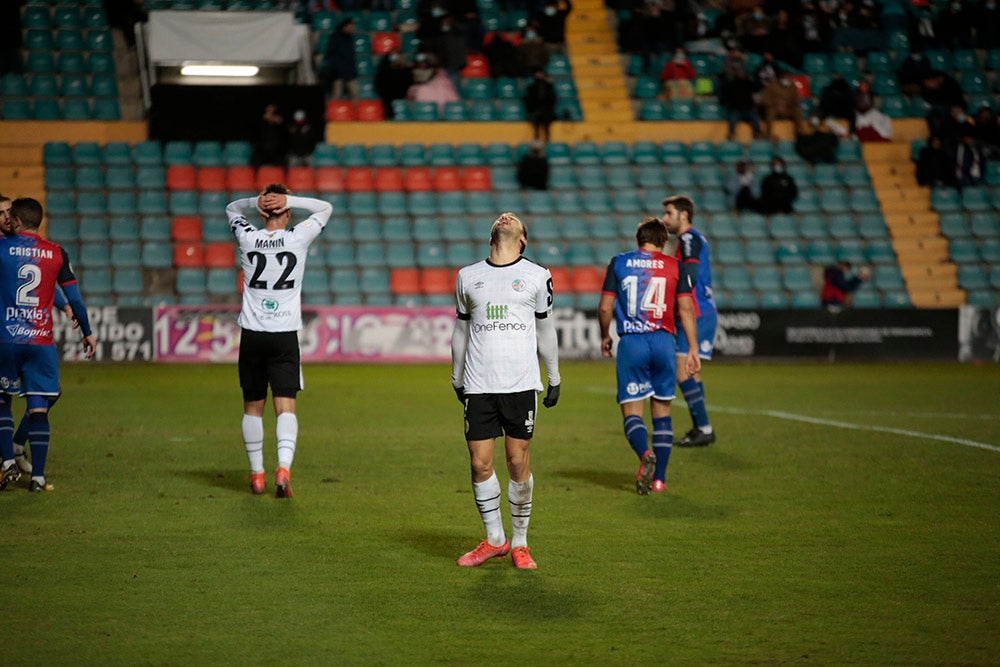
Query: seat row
[
  {"x": 981, "y": 198},
  {"x": 100, "y": 108}
]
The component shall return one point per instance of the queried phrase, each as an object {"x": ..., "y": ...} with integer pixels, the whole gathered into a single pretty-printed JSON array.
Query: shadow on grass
[
  {"x": 438, "y": 544},
  {"x": 609, "y": 479},
  {"x": 501, "y": 590},
  {"x": 230, "y": 480}
]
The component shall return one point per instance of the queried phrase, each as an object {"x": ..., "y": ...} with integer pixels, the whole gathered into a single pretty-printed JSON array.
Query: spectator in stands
[
  {"x": 533, "y": 168},
  {"x": 10, "y": 37},
  {"x": 767, "y": 71},
  {"x": 778, "y": 190},
  {"x": 340, "y": 68},
  {"x": 678, "y": 77},
  {"x": 987, "y": 24},
  {"x": 934, "y": 165},
  {"x": 552, "y": 23},
  {"x": 736, "y": 95},
  {"x": 786, "y": 37},
  {"x": 431, "y": 83},
  {"x": 502, "y": 56},
  {"x": 912, "y": 71},
  {"x": 122, "y": 15},
  {"x": 431, "y": 14},
  {"x": 970, "y": 163},
  {"x": 531, "y": 54},
  {"x": 301, "y": 140},
  {"x": 870, "y": 124},
  {"x": 839, "y": 285},
  {"x": 393, "y": 78},
  {"x": 815, "y": 29},
  {"x": 836, "y": 100},
  {"x": 735, "y": 62},
  {"x": 753, "y": 30},
  {"x": 817, "y": 142},
  {"x": 449, "y": 47},
  {"x": 653, "y": 31},
  {"x": 954, "y": 27},
  {"x": 780, "y": 100},
  {"x": 856, "y": 27},
  {"x": 987, "y": 132},
  {"x": 743, "y": 187},
  {"x": 272, "y": 139},
  {"x": 540, "y": 104},
  {"x": 922, "y": 32},
  {"x": 942, "y": 93}
]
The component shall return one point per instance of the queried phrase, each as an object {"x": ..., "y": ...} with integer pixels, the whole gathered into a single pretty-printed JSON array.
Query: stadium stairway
[
  {"x": 600, "y": 81},
  {"x": 922, "y": 251}
]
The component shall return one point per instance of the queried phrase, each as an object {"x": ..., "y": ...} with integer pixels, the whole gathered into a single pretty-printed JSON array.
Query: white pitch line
[{"x": 857, "y": 427}]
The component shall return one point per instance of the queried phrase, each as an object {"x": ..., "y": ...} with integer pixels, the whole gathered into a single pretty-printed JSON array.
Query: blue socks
[
  {"x": 663, "y": 442},
  {"x": 38, "y": 434},
  {"x": 694, "y": 395},
  {"x": 637, "y": 434},
  {"x": 21, "y": 434},
  {"x": 6, "y": 432}
]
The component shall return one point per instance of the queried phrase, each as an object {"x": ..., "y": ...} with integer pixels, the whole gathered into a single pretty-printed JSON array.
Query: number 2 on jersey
[
  {"x": 33, "y": 276},
  {"x": 259, "y": 260},
  {"x": 652, "y": 297}
]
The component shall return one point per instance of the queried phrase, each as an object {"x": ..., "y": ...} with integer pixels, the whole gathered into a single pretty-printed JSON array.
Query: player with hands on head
[
  {"x": 273, "y": 260},
  {"x": 503, "y": 326},
  {"x": 641, "y": 290}
]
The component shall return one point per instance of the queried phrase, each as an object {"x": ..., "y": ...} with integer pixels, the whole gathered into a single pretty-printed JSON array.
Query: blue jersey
[
  {"x": 30, "y": 269},
  {"x": 693, "y": 253},
  {"x": 645, "y": 286}
]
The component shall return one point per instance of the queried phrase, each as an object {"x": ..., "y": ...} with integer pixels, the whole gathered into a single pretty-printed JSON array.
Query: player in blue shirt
[
  {"x": 30, "y": 269},
  {"x": 641, "y": 288},
  {"x": 693, "y": 253}
]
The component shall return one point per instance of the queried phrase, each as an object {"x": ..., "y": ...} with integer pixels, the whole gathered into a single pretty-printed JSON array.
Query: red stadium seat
[
  {"x": 446, "y": 179},
  {"x": 802, "y": 87},
  {"x": 370, "y": 110},
  {"x": 340, "y": 111},
  {"x": 212, "y": 179},
  {"x": 186, "y": 228},
  {"x": 241, "y": 179},
  {"x": 330, "y": 179},
  {"x": 476, "y": 66},
  {"x": 267, "y": 174},
  {"x": 512, "y": 37},
  {"x": 477, "y": 179},
  {"x": 562, "y": 279},
  {"x": 388, "y": 179},
  {"x": 189, "y": 255},
  {"x": 181, "y": 177},
  {"x": 418, "y": 179},
  {"x": 405, "y": 281},
  {"x": 301, "y": 179},
  {"x": 220, "y": 255},
  {"x": 437, "y": 281},
  {"x": 359, "y": 179},
  {"x": 386, "y": 42},
  {"x": 587, "y": 279}
]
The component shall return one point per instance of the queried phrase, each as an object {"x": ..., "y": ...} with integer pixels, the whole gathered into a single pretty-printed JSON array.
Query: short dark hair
[
  {"x": 29, "y": 211},
  {"x": 652, "y": 230},
  {"x": 277, "y": 189},
  {"x": 681, "y": 203}
]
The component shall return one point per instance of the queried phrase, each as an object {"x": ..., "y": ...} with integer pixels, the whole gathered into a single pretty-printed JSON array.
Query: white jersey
[
  {"x": 273, "y": 263},
  {"x": 501, "y": 304}
]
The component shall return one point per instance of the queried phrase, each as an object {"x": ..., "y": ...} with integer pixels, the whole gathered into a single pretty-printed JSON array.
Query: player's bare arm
[{"x": 685, "y": 309}]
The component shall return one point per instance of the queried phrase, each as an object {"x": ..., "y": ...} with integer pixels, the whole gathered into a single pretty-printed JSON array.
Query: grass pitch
[{"x": 846, "y": 515}]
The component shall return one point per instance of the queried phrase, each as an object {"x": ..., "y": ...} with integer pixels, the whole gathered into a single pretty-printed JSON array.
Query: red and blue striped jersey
[
  {"x": 30, "y": 269},
  {"x": 646, "y": 286}
]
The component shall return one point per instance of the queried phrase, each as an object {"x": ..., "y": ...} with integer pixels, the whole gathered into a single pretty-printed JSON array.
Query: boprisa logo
[
  {"x": 496, "y": 312},
  {"x": 269, "y": 305}
]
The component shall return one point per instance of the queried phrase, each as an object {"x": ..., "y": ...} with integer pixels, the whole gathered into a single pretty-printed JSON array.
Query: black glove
[
  {"x": 551, "y": 396},
  {"x": 460, "y": 392}
]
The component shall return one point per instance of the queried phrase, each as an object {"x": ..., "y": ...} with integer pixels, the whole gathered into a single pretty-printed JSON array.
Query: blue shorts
[
  {"x": 707, "y": 324},
  {"x": 647, "y": 366},
  {"x": 29, "y": 369}
]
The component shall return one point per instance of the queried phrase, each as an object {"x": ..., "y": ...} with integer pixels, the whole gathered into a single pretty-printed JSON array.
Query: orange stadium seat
[
  {"x": 370, "y": 110},
  {"x": 189, "y": 255},
  {"x": 340, "y": 111},
  {"x": 405, "y": 281},
  {"x": 186, "y": 228},
  {"x": 330, "y": 179},
  {"x": 212, "y": 179},
  {"x": 418, "y": 179},
  {"x": 477, "y": 179},
  {"x": 446, "y": 179},
  {"x": 561, "y": 279},
  {"x": 437, "y": 281},
  {"x": 388, "y": 179},
  {"x": 587, "y": 279},
  {"x": 240, "y": 179},
  {"x": 359, "y": 179},
  {"x": 267, "y": 174},
  {"x": 220, "y": 255},
  {"x": 476, "y": 66},
  {"x": 386, "y": 42},
  {"x": 301, "y": 179},
  {"x": 181, "y": 177}
]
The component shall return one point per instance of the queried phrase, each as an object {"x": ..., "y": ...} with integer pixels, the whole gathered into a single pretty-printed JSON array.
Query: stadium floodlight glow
[{"x": 220, "y": 70}]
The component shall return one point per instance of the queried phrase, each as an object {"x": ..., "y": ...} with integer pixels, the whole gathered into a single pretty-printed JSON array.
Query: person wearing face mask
[
  {"x": 780, "y": 100},
  {"x": 449, "y": 47},
  {"x": 778, "y": 190},
  {"x": 393, "y": 78},
  {"x": 552, "y": 23},
  {"x": 678, "y": 77},
  {"x": 954, "y": 27},
  {"x": 753, "y": 30},
  {"x": 912, "y": 71},
  {"x": 532, "y": 54}
]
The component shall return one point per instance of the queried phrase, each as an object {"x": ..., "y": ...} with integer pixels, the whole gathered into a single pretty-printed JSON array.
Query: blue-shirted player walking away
[
  {"x": 640, "y": 292},
  {"x": 693, "y": 253},
  {"x": 30, "y": 269}
]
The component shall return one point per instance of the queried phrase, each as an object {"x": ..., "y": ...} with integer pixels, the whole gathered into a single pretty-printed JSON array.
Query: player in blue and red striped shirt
[
  {"x": 641, "y": 289},
  {"x": 30, "y": 269}
]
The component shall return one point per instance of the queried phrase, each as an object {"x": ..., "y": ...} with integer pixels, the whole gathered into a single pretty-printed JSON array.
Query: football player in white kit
[
  {"x": 273, "y": 260},
  {"x": 503, "y": 325}
]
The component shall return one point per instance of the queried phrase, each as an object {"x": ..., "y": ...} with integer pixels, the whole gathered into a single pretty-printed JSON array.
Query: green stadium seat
[
  {"x": 990, "y": 250},
  {"x": 63, "y": 229},
  {"x": 60, "y": 178},
  {"x": 945, "y": 200},
  {"x": 797, "y": 279},
  {"x": 821, "y": 251},
  {"x": 122, "y": 202},
  {"x": 652, "y": 110},
  {"x": 984, "y": 225}
]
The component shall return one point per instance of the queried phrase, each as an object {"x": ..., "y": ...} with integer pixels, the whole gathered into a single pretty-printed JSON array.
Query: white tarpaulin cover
[{"x": 222, "y": 37}]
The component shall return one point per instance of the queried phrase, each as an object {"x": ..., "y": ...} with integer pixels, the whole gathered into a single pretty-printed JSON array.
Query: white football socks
[
  {"x": 253, "y": 440},
  {"x": 288, "y": 434},
  {"x": 488, "y": 501},
  {"x": 519, "y": 496}
]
